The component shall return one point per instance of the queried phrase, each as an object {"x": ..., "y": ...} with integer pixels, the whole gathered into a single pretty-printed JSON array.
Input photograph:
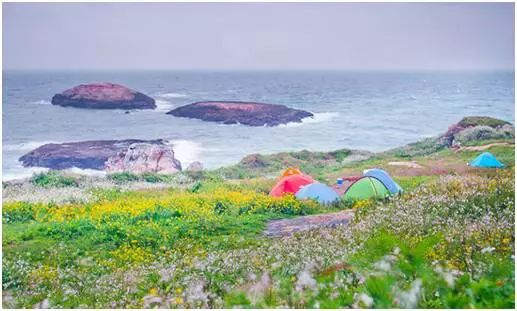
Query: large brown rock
[
  {"x": 94, "y": 154},
  {"x": 103, "y": 96},
  {"x": 144, "y": 158},
  {"x": 248, "y": 113}
]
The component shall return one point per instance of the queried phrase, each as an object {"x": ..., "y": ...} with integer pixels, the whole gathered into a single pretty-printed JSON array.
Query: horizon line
[{"x": 258, "y": 69}]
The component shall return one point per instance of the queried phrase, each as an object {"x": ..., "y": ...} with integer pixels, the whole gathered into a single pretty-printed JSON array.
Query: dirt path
[
  {"x": 483, "y": 147},
  {"x": 406, "y": 164},
  {"x": 284, "y": 227}
]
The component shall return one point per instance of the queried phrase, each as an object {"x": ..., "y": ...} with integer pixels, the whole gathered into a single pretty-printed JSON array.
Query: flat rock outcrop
[
  {"x": 103, "y": 96},
  {"x": 247, "y": 113},
  {"x": 127, "y": 154}
]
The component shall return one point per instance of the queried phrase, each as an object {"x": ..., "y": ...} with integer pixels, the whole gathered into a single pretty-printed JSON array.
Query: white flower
[
  {"x": 150, "y": 300},
  {"x": 488, "y": 249},
  {"x": 410, "y": 298},
  {"x": 366, "y": 300},
  {"x": 305, "y": 280}
]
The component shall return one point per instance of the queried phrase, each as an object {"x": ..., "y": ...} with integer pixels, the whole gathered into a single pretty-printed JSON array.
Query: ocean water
[{"x": 360, "y": 110}]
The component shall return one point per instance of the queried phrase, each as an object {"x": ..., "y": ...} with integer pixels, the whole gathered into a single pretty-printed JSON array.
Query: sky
[{"x": 258, "y": 36}]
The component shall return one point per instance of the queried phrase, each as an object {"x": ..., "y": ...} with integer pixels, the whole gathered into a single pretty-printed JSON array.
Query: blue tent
[
  {"x": 319, "y": 192},
  {"x": 385, "y": 178},
  {"x": 486, "y": 159}
]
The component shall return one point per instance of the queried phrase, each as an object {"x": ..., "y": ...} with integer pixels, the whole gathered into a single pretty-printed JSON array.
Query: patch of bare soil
[
  {"x": 405, "y": 164},
  {"x": 483, "y": 147},
  {"x": 284, "y": 227}
]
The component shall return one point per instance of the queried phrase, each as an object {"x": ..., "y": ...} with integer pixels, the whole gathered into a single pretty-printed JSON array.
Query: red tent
[{"x": 290, "y": 184}]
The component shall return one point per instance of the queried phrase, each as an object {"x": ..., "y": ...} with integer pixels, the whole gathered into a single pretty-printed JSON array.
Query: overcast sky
[{"x": 258, "y": 36}]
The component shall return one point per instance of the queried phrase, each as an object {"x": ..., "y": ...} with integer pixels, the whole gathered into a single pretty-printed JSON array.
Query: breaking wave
[
  {"x": 163, "y": 105},
  {"x": 186, "y": 151},
  {"x": 171, "y": 95},
  {"x": 319, "y": 117},
  {"x": 40, "y": 102}
]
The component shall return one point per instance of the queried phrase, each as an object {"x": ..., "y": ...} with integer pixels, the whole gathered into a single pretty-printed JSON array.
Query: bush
[
  {"x": 123, "y": 177},
  {"x": 477, "y": 133},
  {"x": 156, "y": 178},
  {"x": 424, "y": 147},
  {"x": 53, "y": 179}
]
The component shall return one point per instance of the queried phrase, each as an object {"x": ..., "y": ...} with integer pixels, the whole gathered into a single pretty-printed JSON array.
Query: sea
[{"x": 367, "y": 110}]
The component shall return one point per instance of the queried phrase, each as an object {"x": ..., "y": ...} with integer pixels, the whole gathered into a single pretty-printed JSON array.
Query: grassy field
[{"x": 195, "y": 239}]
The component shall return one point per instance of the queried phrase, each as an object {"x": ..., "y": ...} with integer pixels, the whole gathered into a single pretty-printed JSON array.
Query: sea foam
[
  {"x": 163, "y": 105},
  {"x": 172, "y": 95},
  {"x": 186, "y": 151},
  {"x": 318, "y": 117}
]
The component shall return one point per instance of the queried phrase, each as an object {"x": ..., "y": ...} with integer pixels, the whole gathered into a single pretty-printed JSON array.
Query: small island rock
[
  {"x": 247, "y": 113},
  {"x": 103, "y": 96}
]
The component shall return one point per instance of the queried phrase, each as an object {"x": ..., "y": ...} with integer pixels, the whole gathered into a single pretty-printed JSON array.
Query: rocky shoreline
[{"x": 157, "y": 156}]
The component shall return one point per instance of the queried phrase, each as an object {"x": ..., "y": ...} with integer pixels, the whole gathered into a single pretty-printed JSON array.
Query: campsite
[{"x": 426, "y": 225}]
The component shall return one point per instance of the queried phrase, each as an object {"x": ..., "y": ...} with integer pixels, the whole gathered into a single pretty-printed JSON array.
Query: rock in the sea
[
  {"x": 103, "y": 96},
  {"x": 195, "y": 166},
  {"x": 85, "y": 155},
  {"x": 248, "y": 113},
  {"x": 144, "y": 158}
]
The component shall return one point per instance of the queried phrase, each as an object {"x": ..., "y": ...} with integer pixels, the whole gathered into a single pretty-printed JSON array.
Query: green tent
[{"x": 366, "y": 188}]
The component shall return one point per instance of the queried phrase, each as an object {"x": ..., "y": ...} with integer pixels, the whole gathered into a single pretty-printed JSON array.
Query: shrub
[
  {"x": 156, "y": 178},
  {"x": 476, "y": 133},
  {"x": 123, "y": 177},
  {"x": 421, "y": 148},
  {"x": 53, "y": 179}
]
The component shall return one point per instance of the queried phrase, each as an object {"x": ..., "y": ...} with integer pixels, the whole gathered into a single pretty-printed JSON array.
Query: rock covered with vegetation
[
  {"x": 103, "y": 96},
  {"x": 468, "y": 131},
  {"x": 247, "y": 113},
  {"x": 476, "y": 128}
]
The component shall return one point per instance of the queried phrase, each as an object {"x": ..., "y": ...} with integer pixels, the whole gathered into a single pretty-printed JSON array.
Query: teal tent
[{"x": 486, "y": 159}]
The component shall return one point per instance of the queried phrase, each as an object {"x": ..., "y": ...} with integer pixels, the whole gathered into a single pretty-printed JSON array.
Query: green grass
[{"x": 126, "y": 177}]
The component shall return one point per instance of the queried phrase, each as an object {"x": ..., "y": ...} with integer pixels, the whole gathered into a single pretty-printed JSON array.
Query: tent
[
  {"x": 291, "y": 171},
  {"x": 290, "y": 184},
  {"x": 365, "y": 188},
  {"x": 319, "y": 192},
  {"x": 385, "y": 178},
  {"x": 486, "y": 159}
]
